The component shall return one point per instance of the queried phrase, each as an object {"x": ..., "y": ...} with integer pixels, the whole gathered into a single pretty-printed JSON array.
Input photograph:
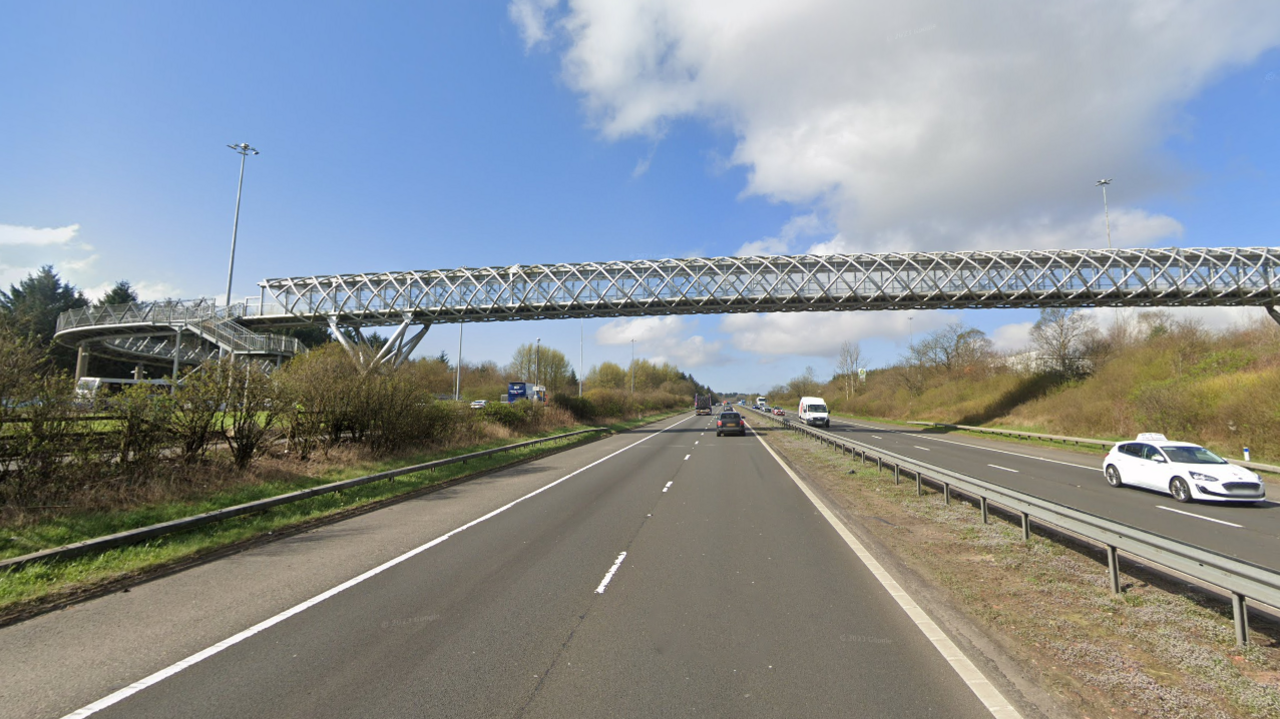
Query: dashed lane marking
[
  {"x": 609, "y": 574},
  {"x": 1200, "y": 516},
  {"x": 231, "y": 641}
]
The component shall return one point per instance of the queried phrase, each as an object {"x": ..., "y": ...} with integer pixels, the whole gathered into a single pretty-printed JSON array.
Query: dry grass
[{"x": 1153, "y": 651}]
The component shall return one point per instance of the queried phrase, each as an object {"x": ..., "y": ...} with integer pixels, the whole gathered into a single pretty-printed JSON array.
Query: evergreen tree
[
  {"x": 121, "y": 294},
  {"x": 32, "y": 306}
]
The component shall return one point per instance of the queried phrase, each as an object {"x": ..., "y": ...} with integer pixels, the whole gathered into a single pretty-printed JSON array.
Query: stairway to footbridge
[{"x": 182, "y": 332}]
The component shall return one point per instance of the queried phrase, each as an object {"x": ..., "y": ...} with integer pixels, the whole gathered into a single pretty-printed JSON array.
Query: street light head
[{"x": 1103, "y": 182}]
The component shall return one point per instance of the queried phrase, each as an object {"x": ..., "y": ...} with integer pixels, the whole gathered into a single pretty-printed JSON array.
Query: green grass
[{"x": 34, "y": 581}]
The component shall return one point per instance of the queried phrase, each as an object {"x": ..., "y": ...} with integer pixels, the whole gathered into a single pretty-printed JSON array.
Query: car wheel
[
  {"x": 1113, "y": 476},
  {"x": 717, "y": 434},
  {"x": 1179, "y": 489}
]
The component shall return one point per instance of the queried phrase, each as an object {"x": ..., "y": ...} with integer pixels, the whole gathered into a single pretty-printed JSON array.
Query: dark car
[{"x": 730, "y": 423}]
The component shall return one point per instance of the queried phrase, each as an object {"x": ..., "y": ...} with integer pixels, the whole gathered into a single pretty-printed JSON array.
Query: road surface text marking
[
  {"x": 1200, "y": 516},
  {"x": 991, "y": 697},
  {"x": 609, "y": 574},
  {"x": 200, "y": 656}
]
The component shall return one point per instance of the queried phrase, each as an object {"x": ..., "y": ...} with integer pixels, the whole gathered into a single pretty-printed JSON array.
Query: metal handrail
[
  {"x": 216, "y": 323},
  {"x": 1243, "y": 580},
  {"x": 134, "y": 536}
]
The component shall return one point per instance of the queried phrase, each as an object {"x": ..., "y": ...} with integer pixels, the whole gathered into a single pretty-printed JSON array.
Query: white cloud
[
  {"x": 664, "y": 339},
  {"x": 1129, "y": 228},
  {"x": 530, "y": 16},
  {"x": 796, "y": 227},
  {"x": 26, "y": 249},
  {"x": 1012, "y": 338},
  {"x": 820, "y": 334},
  {"x": 14, "y": 235},
  {"x": 920, "y": 124}
]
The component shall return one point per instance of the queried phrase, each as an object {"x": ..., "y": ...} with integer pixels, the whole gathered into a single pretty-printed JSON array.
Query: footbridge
[{"x": 1171, "y": 277}]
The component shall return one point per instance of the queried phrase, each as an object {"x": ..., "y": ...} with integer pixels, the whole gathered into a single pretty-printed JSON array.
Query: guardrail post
[
  {"x": 897, "y": 474},
  {"x": 946, "y": 493},
  {"x": 1113, "y": 568},
  {"x": 918, "y": 488},
  {"x": 1026, "y": 527},
  {"x": 1240, "y": 611},
  {"x": 879, "y": 464},
  {"x": 982, "y": 501}
]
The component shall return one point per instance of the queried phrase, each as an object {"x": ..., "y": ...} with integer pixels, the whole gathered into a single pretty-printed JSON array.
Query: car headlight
[{"x": 1197, "y": 476}]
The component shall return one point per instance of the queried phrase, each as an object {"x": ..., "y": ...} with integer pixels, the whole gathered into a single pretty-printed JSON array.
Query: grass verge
[
  {"x": 35, "y": 588},
  {"x": 1156, "y": 650}
]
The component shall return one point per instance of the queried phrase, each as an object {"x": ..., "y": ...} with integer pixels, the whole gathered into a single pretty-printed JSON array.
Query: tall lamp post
[
  {"x": 244, "y": 150},
  {"x": 537, "y": 361},
  {"x": 457, "y": 377},
  {"x": 582, "y": 352},
  {"x": 1105, "y": 212},
  {"x": 633, "y": 366}
]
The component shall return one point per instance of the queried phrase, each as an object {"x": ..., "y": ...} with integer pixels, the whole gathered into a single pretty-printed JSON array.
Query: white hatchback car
[{"x": 1186, "y": 471}]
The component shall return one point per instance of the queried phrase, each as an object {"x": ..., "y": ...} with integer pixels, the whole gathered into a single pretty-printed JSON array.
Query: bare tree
[
  {"x": 1060, "y": 336},
  {"x": 951, "y": 348},
  {"x": 848, "y": 364}
]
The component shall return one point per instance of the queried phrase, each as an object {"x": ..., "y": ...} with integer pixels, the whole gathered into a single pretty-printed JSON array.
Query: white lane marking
[
  {"x": 1200, "y": 516},
  {"x": 1004, "y": 468},
  {"x": 668, "y": 485},
  {"x": 990, "y": 696},
  {"x": 609, "y": 574},
  {"x": 169, "y": 671},
  {"x": 696, "y": 441},
  {"x": 924, "y": 448},
  {"x": 876, "y": 436},
  {"x": 992, "y": 449},
  {"x": 687, "y": 456}
]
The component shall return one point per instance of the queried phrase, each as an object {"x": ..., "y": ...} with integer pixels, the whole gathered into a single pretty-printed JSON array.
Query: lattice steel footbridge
[{"x": 1174, "y": 277}]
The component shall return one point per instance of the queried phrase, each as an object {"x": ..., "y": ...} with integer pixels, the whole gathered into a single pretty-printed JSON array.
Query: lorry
[
  {"x": 702, "y": 403},
  {"x": 517, "y": 391},
  {"x": 813, "y": 412},
  {"x": 762, "y": 402}
]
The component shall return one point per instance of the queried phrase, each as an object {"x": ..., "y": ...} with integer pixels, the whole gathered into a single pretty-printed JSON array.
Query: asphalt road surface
[
  {"x": 1245, "y": 531},
  {"x": 662, "y": 572}
]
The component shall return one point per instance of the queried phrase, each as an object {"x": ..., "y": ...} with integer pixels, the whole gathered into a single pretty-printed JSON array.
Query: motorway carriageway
[
  {"x": 1073, "y": 479},
  {"x": 659, "y": 572}
]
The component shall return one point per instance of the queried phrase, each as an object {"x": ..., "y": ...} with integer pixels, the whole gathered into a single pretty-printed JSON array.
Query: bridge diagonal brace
[
  {"x": 410, "y": 344},
  {"x": 1273, "y": 313}
]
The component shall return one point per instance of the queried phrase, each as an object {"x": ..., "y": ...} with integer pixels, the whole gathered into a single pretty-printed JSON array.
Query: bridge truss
[
  {"x": 1173, "y": 277},
  {"x": 796, "y": 283}
]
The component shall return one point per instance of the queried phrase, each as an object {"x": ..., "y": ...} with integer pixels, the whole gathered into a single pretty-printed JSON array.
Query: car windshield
[
  {"x": 818, "y": 408},
  {"x": 1192, "y": 455}
]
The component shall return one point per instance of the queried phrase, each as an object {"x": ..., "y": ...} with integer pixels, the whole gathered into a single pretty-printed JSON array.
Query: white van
[{"x": 813, "y": 412}]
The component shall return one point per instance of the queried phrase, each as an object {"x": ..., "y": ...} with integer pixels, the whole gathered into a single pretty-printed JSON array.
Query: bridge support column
[
  {"x": 1273, "y": 313},
  {"x": 177, "y": 354},
  {"x": 82, "y": 361},
  {"x": 397, "y": 349}
]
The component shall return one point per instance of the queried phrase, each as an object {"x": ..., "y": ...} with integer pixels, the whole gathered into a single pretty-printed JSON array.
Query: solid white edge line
[
  {"x": 986, "y": 692},
  {"x": 1004, "y": 468},
  {"x": 172, "y": 669},
  {"x": 1200, "y": 516},
  {"x": 609, "y": 574}
]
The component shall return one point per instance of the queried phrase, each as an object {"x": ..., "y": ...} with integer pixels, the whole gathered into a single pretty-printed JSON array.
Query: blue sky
[{"x": 410, "y": 136}]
